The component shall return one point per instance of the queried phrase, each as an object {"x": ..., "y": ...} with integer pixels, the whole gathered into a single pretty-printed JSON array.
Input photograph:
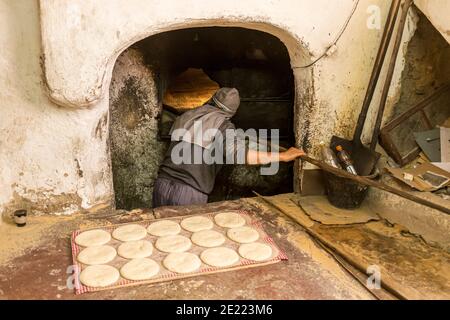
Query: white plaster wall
[
  {"x": 341, "y": 80},
  {"x": 40, "y": 142},
  {"x": 81, "y": 40},
  {"x": 335, "y": 86},
  {"x": 395, "y": 87},
  {"x": 438, "y": 12}
]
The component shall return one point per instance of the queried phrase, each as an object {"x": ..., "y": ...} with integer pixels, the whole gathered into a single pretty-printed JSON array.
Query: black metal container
[{"x": 345, "y": 193}]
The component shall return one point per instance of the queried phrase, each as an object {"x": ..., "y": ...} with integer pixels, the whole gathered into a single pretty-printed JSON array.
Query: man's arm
[{"x": 260, "y": 158}]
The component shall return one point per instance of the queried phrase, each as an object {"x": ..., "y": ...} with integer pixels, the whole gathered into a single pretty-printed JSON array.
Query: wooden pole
[{"x": 372, "y": 183}]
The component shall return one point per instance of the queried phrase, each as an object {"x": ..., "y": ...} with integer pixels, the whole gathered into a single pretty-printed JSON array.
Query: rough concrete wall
[
  {"x": 107, "y": 27},
  {"x": 51, "y": 159},
  {"x": 427, "y": 66},
  {"x": 340, "y": 81},
  {"x": 135, "y": 149},
  {"x": 136, "y": 152}
]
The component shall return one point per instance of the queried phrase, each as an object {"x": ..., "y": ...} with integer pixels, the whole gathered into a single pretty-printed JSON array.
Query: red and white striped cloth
[{"x": 165, "y": 275}]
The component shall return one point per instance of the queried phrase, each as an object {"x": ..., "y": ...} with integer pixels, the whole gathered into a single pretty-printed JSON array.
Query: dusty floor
[{"x": 35, "y": 261}]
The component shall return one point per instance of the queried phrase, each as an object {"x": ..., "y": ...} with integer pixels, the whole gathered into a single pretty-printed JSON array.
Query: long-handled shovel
[
  {"x": 390, "y": 73},
  {"x": 364, "y": 158}
]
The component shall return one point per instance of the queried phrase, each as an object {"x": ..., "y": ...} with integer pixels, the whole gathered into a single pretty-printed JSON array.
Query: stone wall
[{"x": 52, "y": 159}]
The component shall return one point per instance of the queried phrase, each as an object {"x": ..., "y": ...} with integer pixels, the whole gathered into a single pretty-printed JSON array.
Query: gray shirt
[{"x": 202, "y": 175}]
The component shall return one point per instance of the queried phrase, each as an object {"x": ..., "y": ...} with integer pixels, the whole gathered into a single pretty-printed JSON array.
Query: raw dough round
[
  {"x": 208, "y": 238},
  {"x": 139, "y": 269},
  {"x": 172, "y": 244},
  {"x": 164, "y": 228},
  {"x": 130, "y": 232},
  {"x": 99, "y": 276},
  {"x": 255, "y": 251},
  {"x": 93, "y": 238},
  {"x": 183, "y": 262},
  {"x": 196, "y": 224},
  {"x": 243, "y": 234},
  {"x": 97, "y": 255},
  {"x": 135, "y": 249},
  {"x": 229, "y": 220},
  {"x": 219, "y": 257}
]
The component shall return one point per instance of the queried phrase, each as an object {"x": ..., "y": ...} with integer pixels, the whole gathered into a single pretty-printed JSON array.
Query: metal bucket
[{"x": 345, "y": 193}]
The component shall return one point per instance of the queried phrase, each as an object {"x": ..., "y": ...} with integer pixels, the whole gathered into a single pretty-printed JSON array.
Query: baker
[{"x": 201, "y": 140}]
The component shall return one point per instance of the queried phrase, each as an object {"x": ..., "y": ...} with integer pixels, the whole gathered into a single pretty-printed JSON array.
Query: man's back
[{"x": 199, "y": 175}]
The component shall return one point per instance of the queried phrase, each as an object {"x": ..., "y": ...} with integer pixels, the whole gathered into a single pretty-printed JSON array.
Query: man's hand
[{"x": 291, "y": 154}]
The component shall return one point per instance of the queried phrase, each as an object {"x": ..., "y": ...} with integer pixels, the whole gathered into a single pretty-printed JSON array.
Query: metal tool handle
[
  {"x": 390, "y": 73},
  {"x": 372, "y": 183}
]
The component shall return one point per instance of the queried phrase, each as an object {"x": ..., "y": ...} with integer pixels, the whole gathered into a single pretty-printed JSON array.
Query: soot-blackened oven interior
[{"x": 254, "y": 62}]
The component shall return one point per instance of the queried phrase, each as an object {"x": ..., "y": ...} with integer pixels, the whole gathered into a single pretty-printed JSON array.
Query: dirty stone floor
[{"x": 35, "y": 261}]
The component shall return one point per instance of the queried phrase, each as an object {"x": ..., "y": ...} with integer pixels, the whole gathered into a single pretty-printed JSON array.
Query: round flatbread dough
[
  {"x": 139, "y": 269},
  {"x": 130, "y": 232},
  {"x": 172, "y": 244},
  {"x": 243, "y": 235},
  {"x": 196, "y": 224},
  {"x": 164, "y": 228},
  {"x": 183, "y": 262},
  {"x": 135, "y": 249},
  {"x": 255, "y": 251},
  {"x": 99, "y": 276},
  {"x": 229, "y": 220},
  {"x": 208, "y": 238},
  {"x": 219, "y": 257},
  {"x": 97, "y": 255},
  {"x": 93, "y": 238}
]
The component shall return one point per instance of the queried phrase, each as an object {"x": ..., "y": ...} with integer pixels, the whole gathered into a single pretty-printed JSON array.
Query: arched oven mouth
[{"x": 186, "y": 67}]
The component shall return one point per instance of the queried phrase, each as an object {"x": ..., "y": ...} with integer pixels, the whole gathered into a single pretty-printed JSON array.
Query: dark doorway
[{"x": 254, "y": 62}]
